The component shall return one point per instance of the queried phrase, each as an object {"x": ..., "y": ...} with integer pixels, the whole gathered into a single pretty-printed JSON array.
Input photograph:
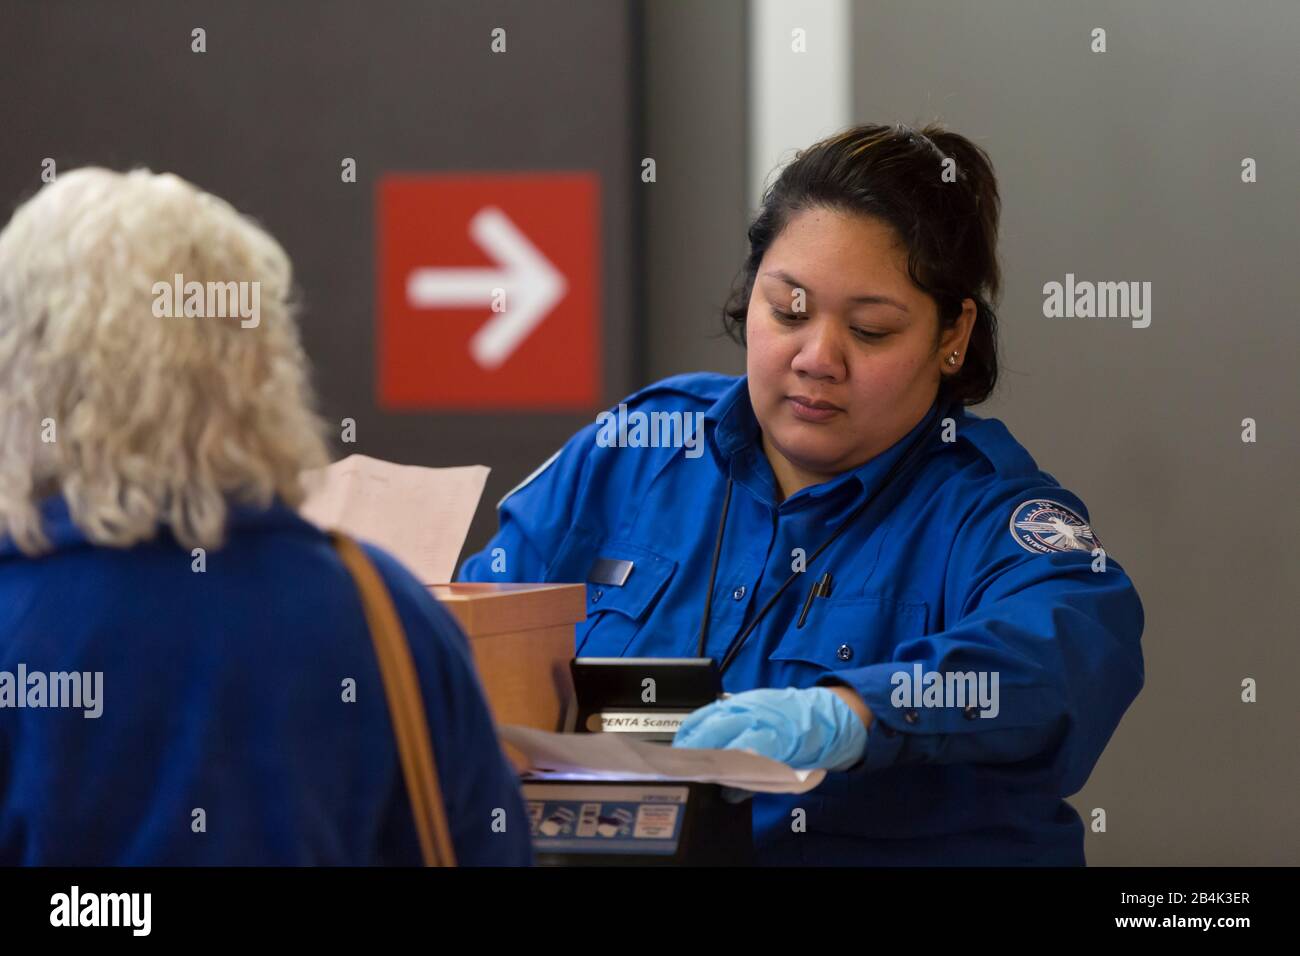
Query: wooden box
[{"x": 522, "y": 636}]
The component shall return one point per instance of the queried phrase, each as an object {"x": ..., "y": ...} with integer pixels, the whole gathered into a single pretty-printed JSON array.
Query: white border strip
[{"x": 795, "y": 99}]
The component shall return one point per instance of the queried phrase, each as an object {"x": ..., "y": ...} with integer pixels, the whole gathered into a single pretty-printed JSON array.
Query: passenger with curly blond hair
[{"x": 186, "y": 674}]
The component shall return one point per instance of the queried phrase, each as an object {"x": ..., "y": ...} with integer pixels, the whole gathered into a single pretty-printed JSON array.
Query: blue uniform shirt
[
  {"x": 222, "y": 691},
  {"x": 973, "y": 561}
]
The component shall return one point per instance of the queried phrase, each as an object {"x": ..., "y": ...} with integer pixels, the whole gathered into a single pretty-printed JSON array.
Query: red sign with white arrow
[{"x": 487, "y": 291}]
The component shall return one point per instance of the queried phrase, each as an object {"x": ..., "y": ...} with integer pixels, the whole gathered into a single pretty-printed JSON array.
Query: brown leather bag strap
[{"x": 405, "y": 705}]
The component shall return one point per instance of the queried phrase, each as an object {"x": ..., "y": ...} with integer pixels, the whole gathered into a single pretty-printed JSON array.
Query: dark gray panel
[
  {"x": 696, "y": 126},
  {"x": 284, "y": 92}
]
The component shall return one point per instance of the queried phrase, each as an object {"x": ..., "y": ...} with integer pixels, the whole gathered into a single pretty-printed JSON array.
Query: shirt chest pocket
[
  {"x": 844, "y": 633},
  {"x": 616, "y": 611}
]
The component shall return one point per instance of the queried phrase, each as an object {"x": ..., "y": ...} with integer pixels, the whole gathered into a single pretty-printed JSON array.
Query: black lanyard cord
[
  {"x": 739, "y": 640},
  {"x": 713, "y": 571}
]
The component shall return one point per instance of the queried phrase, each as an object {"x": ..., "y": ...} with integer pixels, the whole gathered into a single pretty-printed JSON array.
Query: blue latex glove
[{"x": 802, "y": 728}]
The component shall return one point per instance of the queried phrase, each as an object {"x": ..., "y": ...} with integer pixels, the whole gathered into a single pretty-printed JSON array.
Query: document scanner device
[{"x": 636, "y": 822}]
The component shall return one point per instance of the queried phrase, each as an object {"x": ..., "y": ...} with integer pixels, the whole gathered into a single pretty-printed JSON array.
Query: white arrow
[{"x": 532, "y": 287}]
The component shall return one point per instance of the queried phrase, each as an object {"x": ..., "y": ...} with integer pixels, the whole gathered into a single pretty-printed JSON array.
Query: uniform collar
[
  {"x": 734, "y": 438},
  {"x": 63, "y": 533}
]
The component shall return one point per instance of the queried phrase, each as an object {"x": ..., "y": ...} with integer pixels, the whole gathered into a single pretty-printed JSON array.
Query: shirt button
[
  {"x": 597, "y": 596},
  {"x": 971, "y": 712},
  {"x": 738, "y": 593},
  {"x": 911, "y": 716},
  {"x": 845, "y": 653}
]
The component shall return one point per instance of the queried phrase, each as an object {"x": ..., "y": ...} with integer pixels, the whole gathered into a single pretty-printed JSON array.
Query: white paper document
[
  {"x": 614, "y": 757},
  {"x": 419, "y": 515}
]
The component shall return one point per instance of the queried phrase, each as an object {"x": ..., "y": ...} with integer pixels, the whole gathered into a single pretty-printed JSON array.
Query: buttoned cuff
[{"x": 897, "y": 734}]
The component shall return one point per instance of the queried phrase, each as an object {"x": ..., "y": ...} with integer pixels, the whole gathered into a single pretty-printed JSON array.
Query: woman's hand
[{"x": 805, "y": 729}]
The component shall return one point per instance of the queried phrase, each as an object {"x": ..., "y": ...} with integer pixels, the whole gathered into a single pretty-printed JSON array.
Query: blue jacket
[
  {"x": 223, "y": 691},
  {"x": 972, "y": 562}
]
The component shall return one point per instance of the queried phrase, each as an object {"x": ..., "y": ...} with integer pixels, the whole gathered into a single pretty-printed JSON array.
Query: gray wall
[
  {"x": 695, "y": 127},
  {"x": 1116, "y": 166}
]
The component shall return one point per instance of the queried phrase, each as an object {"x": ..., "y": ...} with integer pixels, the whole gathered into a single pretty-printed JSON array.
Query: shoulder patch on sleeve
[
  {"x": 1041, "y": 526},
  {"x": 536, "y": 471}
]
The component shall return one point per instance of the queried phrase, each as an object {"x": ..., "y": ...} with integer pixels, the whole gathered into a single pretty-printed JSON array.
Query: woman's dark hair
[{"x": 949, "y": 225}]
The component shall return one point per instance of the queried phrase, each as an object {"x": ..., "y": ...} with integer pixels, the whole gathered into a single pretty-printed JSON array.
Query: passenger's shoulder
[{"x": 415, "y": 605}]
